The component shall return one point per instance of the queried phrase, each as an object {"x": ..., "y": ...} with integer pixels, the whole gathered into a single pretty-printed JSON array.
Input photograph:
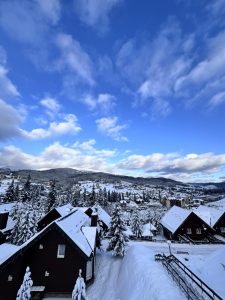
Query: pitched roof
[
  {"x": 6, "y": 207},
  {"x": 174, "y": 217},
  {"x": 208, "y": 214},
  {"x": 102, "y": 215},
  {"x": 71, "y": 226},
  {"x": 64, "y": 209}
]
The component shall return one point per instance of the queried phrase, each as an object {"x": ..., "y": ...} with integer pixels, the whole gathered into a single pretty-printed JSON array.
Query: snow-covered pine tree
[
  {"x": 25, "y": 217},
  {"x": 26, "y": 193},
  {"x": 52, "y": 197},
  {"x": 10, "y": 193},
  {"x": 136, "y": 225},
  {"x": 24, "y": 291},
  {"x": 117, "y": 236},
  {"x": 79, "y": 292}
]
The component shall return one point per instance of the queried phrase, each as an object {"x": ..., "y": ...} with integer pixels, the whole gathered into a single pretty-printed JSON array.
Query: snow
[
  {"x": 210, "y": 268},
  {"x": 174, "y": 218},
  {"x": 6, "y": 207},
  {"x": 6, "y": 250},
  {"x": 103, "y": 216},
  {"x": 209, "y": 215},
  {"x": 9, "y": 226},
  {"x": 90, "y": 234},
  {"x": 147, "y": 230},
  {"x": 136, "y": 276},
  {"x": 218, "y": 204},
  {"x": 64, "y": 210},
  {"x": 71, "y": 225}
]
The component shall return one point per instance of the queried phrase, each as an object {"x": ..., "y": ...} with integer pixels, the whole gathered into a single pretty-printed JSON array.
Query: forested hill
[{"x": 65, "y": 175}]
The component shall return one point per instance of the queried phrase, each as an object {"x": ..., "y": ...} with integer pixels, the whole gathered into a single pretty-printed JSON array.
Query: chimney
[
  {"x": 94, "y": 219},
  {"x": 3, "y": 219}
]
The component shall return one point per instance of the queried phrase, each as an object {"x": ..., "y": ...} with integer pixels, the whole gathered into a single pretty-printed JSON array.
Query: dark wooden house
[
  {"x": 6, "y": 222},
  {"x": 214, "y": 217},
  {"x": 54, "y": 214},
  {"x": 54, "y": 255},
  {"x": 182, "y": 224}
]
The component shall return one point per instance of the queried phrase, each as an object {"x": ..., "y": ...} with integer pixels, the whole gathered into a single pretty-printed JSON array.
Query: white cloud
[
  {"x": 56, "y": 156},
  {"x": 74, "y": 58},
  {"x": 217, "y": 99},
  {"x": 51, "y": 9},
  {"x": 10, "y": 119},
  {"x": 52, "y": 106},
  {"x": 95, "y": 12},
  {"x": 174, "y": 163},
  {"x": 29, "y": 21},
  {"x": 68, "y": 126},
  {"x": 110, "y": 127},
  {"x": 7, "y": 88},
  {"x": 103, "y": 103}
]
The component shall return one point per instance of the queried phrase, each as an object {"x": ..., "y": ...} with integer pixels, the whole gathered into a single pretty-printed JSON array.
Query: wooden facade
[
  {"x": 220, "y": 225},
  {"x": 56, "y": 274}
]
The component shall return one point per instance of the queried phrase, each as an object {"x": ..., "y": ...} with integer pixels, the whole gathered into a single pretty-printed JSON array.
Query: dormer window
[
  {"x": 41, "y": 247},
  {"x": 10, "y": 278},
  {"x": 61, "y": 251}
]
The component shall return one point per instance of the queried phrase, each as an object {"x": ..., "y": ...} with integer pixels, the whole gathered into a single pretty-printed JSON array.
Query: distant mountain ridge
[{"x": 72, "y": 175}]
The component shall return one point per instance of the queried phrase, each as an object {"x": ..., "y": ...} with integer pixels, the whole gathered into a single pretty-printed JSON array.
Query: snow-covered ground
[{"x": 138, "y": 276}]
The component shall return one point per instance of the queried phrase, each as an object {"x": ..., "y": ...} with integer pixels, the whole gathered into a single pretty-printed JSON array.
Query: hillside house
[
  {"x": 54, "y": 255},
  {"x": 182, "y": 224},
  {"x": 6, "y": 222},
  {"x": 214, "y": 217}
]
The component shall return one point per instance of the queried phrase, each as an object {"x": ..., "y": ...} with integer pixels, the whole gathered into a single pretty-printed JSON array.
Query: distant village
[{"x": 56, "y": 230}]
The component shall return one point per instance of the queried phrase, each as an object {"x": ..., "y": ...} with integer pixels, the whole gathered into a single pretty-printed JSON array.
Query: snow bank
[
  {"x": 140, "y": 277},
  {"x": 213, "y": 271}
]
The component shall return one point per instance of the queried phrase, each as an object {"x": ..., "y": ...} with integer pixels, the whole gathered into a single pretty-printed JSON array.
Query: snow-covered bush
[
  {"x": 24, "y": 291},
  {"x": 79, "y": 292}
]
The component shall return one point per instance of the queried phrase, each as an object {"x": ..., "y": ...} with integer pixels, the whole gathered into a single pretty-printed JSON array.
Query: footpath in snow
[{"x": 136, "y": 276}]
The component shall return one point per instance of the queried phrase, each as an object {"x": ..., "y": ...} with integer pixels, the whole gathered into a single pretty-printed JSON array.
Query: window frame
[
  {"x": 60, "y": 246},
  {"x": 189, "y": 230},
  {"x": 198, "y": 230}
]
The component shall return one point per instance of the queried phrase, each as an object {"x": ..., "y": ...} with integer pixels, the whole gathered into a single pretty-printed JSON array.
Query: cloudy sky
[{"x": 122, "y": 86}]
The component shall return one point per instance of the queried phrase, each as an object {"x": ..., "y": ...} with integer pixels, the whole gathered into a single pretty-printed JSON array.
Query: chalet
[
  {"x": 54, "y": 214},
  {"x": 54, "y": 255},
  {"x": 214, "y": 217},
  {"x": 6, "y": 222},
  {"x": 182, "y": 224}
]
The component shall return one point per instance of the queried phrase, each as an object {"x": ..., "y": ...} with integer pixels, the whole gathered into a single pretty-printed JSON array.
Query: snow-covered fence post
[
  {"x": 24, "y": 291},
  {"x": 79, "y": 292}
]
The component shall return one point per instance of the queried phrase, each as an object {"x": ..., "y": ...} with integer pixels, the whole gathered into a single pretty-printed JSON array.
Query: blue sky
[{"x": 126, "y": 87}]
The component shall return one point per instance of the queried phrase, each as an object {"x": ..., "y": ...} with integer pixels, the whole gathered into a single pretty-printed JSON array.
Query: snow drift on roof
[
  {"x": 90, "y": 234},
  {"x": 147, "y": 229},
  {"x": 6, "y": 207},
  {"x": 102, "y": 215},
  {"x": 64, "y": 210},
  {"x": 209, "y": 215},
  {"x": 174, "y": 218},
  {"x": 71, "y": 226}
]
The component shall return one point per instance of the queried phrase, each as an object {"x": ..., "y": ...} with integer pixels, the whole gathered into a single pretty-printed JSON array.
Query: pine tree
[
  {"x": 26, "y": 193},
  {"x": 10, "y": 193},
  {"x": 52, "y": 198},
  {"x": 136, "y": 225},
  {"x": 24, "y": 291},
  {"x": 17, "y": 193},
  {"x": 93, "y": 196},
  {"x": 79, "y": 291},
  {"x": 117, "y": 241},
  {"x": 25, "y": 217}
]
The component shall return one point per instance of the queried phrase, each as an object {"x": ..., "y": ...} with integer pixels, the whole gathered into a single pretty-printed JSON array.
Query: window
[
  {"x": 198, "y": 231},
  {"x": 61, "y": 251},
  {"x": 46, "y": 273},
  {"x": 10, "y": 278},
  {"x": 40, "y": 247},
  {"x": 89, "y": 270},
  {"x": 189, "y": 231},
  {"x": 222, "y": 229}
]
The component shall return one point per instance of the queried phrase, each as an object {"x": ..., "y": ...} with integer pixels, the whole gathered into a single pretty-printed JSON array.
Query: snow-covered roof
[
  {"x": 6, "y": 250},
  {"x": 103, "y": 215},
  {"x": 90, "y": 234},
  {"x": 218, "y": 204},
  {"x": 147, "y": 229},
  {"x": 128, "y": 231},
  {"x": 71, "y": 226},
  {"x": 6, "y": 207},
  {"x": 64, "y": 210},
  {"x": 9, "y": 226},
  {"x": 209, "y": 215},
  {"x": 174, "y": 218}
]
